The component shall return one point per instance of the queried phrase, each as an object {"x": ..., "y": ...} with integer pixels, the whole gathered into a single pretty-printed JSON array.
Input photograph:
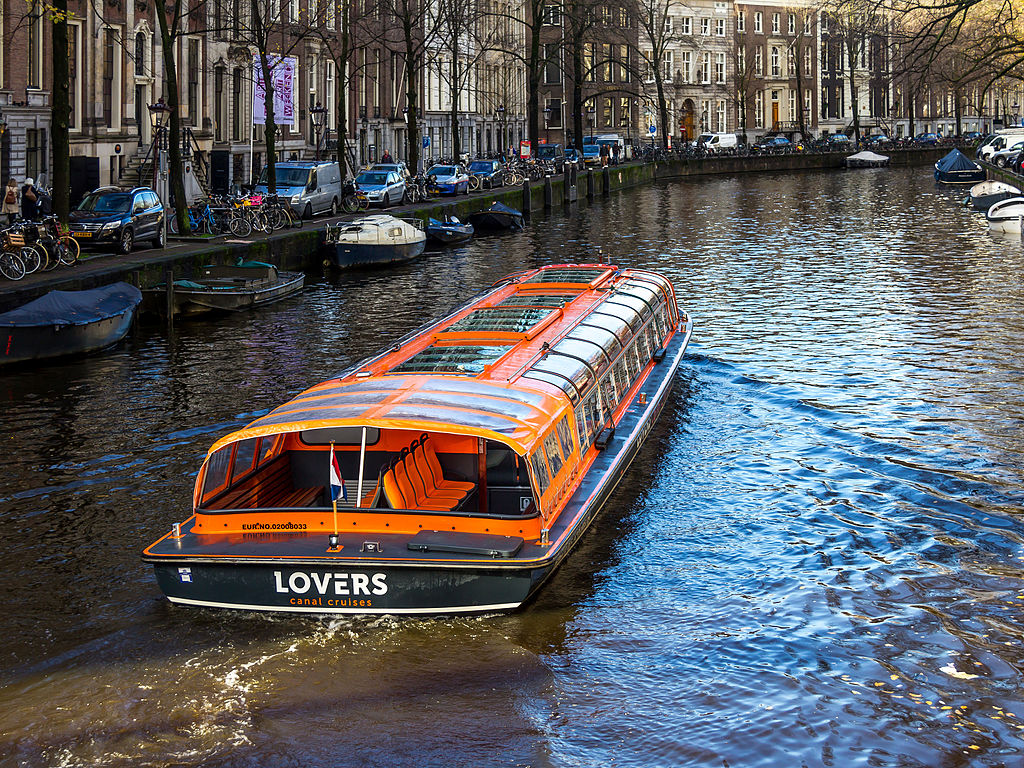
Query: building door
[
  {"x": 686, "y": 126},
  {"x": 775, "y": 115}
]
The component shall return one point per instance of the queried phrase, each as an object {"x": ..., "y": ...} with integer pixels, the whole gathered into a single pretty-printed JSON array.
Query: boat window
[
  {"x": 266, "y": 450},
  {"x": 632, "y": 364},
  {"x": 588, "y": 420},
  {"x": 457, "y": 416},
  {"x": 217, "y": 471},
  {"x": 590, "y": 353},
  {"x": 565, "y": 436},
  {"x": 537, "y": 300},
  {"x": 615, "y": 323},
  {"x": 653, "y": 339},
  {"x": 504, "y": 466},
  {"x": 608, "y": 393},
  {"x": 340, "y": 436},
  {"x": 506, "y": 319},
  {"x": 463, "y": 358},
  {"x": 553, "y": 378},
  {"x": 540, "y": 471},
  {"x": 595, "y": 334},
  {"x": 482, "y": 388},
  {"x": 551, "y": 451},
  {"x": 245, "y": 457},
  {"x": 574, "y": 370},
  {"x": 486, "y": 404},
  {"x": 584, "y": 275},
  {"x": 643, "y": 311},
  {"x": 645, "y": 292},
  {"x": 616, "y": 309},
  {"x": 622, "y": 380}
]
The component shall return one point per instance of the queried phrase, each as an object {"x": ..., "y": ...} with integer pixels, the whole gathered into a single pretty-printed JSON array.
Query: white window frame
[
  {"x": 686, "y": 66},
  {"x": 776, "y": 23},
  {"x": 687, "y": 27},
  {"x": 758, "y": 22},
  {"x": 76, "y": 98},
  {"x": 759, "y": 109},
  {"x": 705, "y": 66},
  {"x": 720, "y": 27},
  {"x": 705, "y": 27},
  {"x": 741, "y": 22},
  {"x": 720, "y": 67},
  {"x": 775, "y": 61},
  {"x": 791, "y": 24},
  {"x": 758, "y": 60}
]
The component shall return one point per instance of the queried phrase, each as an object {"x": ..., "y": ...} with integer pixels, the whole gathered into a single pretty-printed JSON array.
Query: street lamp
[
  {"x": 547, "y": 119},
  {"x": 3, "y": 124},
  {"x": 160, "y": 115},
  {"x": 318, "y": 116},
  {"x": 499, "y": 113},
  {"x": 591, "y": 111}
]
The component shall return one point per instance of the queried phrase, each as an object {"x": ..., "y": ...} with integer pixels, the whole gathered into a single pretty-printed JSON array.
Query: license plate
[{"x": 81, "y": 234}]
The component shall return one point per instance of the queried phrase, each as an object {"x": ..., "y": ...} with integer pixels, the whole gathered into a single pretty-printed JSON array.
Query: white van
[
  {"x": 1000, "y": 140},
  {"x": 309, "y": 187},
  {"x": 718, "y": 142}
]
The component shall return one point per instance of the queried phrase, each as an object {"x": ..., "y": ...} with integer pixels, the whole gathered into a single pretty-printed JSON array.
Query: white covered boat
[
  {"x": 985, "y": 194},
  {"x": 377, "y": 239},
  {"x": 1006, "y": 215},
  {"x": 867, "y": 159}
]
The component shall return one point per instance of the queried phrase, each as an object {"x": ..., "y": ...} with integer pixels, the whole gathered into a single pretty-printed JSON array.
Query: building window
[
  {"x": 720, "y": 27},
  {"x": 775, "y": 61},
  {"x": 624, "y": 112},
  {"x": 758, "y": 22},
  {"x": 606, "y": 112},
  {"x": 686, "y": 65},
  {"x": 720, "y": 115},
  {"x": 554, "y": 119},
  {"x": 705, "y": 67},
  {"x": 667, "y": 67},
  {"x": 624, "y": 68},
  {"x": 35, "y": 45},
  {"x": 109, "y": 51},
  {"x": 759, "y": 109},
  {"x": 807, "y": 23},
  {"x": 808, "y": 62},
  {"x": 720, "y": 68},
  {"x": 791, "y": 62},
  {"x": 741, "y": 22},
  {"x": 687, "y": 28},
  {"x": 140, "y": 54},
  {"x": 219, "y": 105},
  {"x": 552, "y": 68},
  {"x": 236, "y": 105},
  {"x": 741, "y": 60},
  {"x": 758, "y": 61},
  {"x": 705, "y": 27},
  {"x": 792, "y": 24},
  {"x": 793, "y": 116},
  {"x": 329, "y": 93},
  {"x": 194, "y": 66},
  {"x": 35, "y": 152},
  {"x": 553, "y": 15},
  {"x": 775, "y": 23},
  {"x": 74, "y": 83}
]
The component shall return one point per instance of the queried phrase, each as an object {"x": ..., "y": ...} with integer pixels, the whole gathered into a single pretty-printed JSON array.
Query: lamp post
[
  {"x": 318, "y": 116},
  {"x": 3, "y": 124},
  {"x": 547, "y": 119},
  {"x": 591, "y": 111},
  {"x": 159, "y": 115},
  {"x": 499, "y": 113}
]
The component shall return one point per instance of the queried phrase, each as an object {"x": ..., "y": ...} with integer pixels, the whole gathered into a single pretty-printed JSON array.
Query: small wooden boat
[
  {"x": 957, "y": 168},
  {"x": 867, "y": 159},
  {"x": 450, "y": 473},
  {"x": 376, "y": 239},
  {"x": 986, "y": 194},
  {"x": 449, "y": 231},
  {"x": 498, "y": 216},
  {"x": 227, "y": 288},
  {"x": 1006, "y": 216},
  {"x": 67, "y": 323}
]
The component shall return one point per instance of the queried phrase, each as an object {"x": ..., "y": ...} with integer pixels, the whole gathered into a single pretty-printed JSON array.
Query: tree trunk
[
  {"x": 662, "y": 106},
  {"x": 456, "y": 148},
  {"x": 533, "y": 84},
  {"x": 270, "y": 124},
  {"x": 801, "y": 121},
  {"x": 61, "y": 113},
  {"x": 412, "y": 94},
  {"x": 577, "y": 91},
  {"x": 176, "y": 170},
  {"x": 851, "y": 49}
]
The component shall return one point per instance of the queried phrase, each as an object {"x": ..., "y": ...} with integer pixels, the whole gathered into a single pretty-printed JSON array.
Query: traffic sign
[
  {"x": 426, "y": 142},
  {"x": 652, "y": 129}
]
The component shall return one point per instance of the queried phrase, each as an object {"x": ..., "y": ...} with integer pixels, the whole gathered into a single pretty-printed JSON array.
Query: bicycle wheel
[
  {"x": 474, "y": 183},
  {"x": 30, "y": 258},
  {"x": 69, "y": 251},
  {"x": 53, "y": 250},
  {"x": 11, "y": 266},
  {"x": 172, "y": 225},
  {"x": 239, "y": 227},
  {"x": 364, "y": 203},
  {"x": 350, "y": 204},
  {"x": 295, "y": 219},
  {"x": 276, "y": 218}
]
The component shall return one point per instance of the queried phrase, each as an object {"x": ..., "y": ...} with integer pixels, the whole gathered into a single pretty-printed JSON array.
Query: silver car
[
  {"x": 1005, "y": 157},
  {"x": 381, "y": 187}
]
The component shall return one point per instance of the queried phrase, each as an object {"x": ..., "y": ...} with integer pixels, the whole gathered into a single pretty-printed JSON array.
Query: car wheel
[
  {"x": 385, "y": 201},
  {"x": 158, "y": 241},
  {"x": 334, "y": 207},
  {"x": 1001, "y": 162},
  {"x": 126, "y": 241},
  {"x": 307, "y": 212}
]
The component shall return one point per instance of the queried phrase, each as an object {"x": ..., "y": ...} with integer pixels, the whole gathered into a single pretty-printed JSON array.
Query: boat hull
[
  {"x": 343, "y": 255},
  {"x": 449, "y": 235},
  {"x": 198, "y": 301},
  {"x": 22, "y": 344},
  {"x": 960, "y": 177},
  {"x": 295, "y": 573},
  {"x": 496, "y": 220},
  {"x": 984, "y": 202}
]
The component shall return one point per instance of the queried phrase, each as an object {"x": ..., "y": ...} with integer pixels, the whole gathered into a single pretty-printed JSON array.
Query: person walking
[
  {"x": 11, "y": 206},
  {"x": 29, "y": 199}
]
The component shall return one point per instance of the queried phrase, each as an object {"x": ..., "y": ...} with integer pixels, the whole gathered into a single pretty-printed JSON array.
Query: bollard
[
  {"x": 590, "y": 183},
  {"x": 547, "y": 193},
  {"x": 566, "y": 181},
  {"x": 169, "y": 283},
  {"x": 606, "y": 181},
  {"x": 526, "y": 197}
]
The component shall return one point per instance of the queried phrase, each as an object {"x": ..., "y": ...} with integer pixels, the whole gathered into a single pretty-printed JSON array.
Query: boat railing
[{"x": 369, "y": 511}]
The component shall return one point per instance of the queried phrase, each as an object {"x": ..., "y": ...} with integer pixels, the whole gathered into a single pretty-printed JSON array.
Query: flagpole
[
  {"x": 334, "y": 501},
  {"x": 362, "y": 458}
]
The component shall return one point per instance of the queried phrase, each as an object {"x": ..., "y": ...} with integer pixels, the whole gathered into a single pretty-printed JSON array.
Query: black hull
[
  {"x": 295, "y": 573},
  {"x": 344, "y": 255},
  {"x": 960, "y": 177},
  {"x": 23, "y": 344},
  {"x": 984, "y": 202},
  {"x": 448, "y": 236},
  {"x": 495, "y": 220}
]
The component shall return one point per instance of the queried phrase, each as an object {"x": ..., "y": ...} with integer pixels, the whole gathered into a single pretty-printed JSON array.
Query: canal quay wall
[{"x": 303, "y": 249}]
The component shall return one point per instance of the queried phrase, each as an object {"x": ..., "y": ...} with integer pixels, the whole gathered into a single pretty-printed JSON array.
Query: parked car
[
  {"x": 382, "y": 187},
  {"x": 490, "y": 172},
  {"x": 838, "y": 142},
  {"x": 449, "y": 180},
  {"x": 878, "y": 138},
  {"x": 399, "y": 166},
  {"x": 716, "y": 143},
  {"x": 773, "y": 144},
  {"x": 111, "y": 215},
  {"x": 972, "y": 136},
  {"x": 591, "y": 154},
  {"x": 553, "y": 153},
  {"x": 1008, "y": 156},
  {"x": 573, "y": 157},
  {"x": 998, "y": 141},
  {"x": 310, "y": 187},
  {"x": 927, "y": 139}
]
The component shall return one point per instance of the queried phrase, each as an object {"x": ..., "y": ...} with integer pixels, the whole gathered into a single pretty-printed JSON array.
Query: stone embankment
[{"x": 301, "y": 249}]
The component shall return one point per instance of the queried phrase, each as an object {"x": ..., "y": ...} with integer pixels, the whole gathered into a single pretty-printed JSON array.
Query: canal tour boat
[{"x": 452, "y": 472}]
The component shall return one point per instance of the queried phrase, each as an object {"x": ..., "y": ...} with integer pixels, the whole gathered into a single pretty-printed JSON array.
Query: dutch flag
[{"x": 337, "y": 481}]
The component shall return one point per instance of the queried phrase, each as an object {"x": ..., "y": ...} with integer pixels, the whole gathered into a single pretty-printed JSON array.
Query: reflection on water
[{"x": 816, "y": 560}]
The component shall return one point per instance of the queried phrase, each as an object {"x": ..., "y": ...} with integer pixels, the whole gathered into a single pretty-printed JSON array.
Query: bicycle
[
  {"x": 199, "y": 220},
  {"x": 281, "y": 214},
  {"x": 352, "y": 200}
]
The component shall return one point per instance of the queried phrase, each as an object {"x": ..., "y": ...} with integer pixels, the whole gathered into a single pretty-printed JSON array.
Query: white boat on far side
[{"x": 1006, "y": 216}]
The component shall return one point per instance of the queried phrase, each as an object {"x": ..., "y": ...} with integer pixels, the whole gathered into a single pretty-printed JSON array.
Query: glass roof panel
[
  {"x": 461, "y": 358},
  {"x": 584, "y": 275},
  {"x": 504, "y": 319},
  {"x": 537, "y": 300}
]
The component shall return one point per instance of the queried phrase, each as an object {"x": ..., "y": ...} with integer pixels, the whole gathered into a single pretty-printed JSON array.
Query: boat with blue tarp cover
[
  {"x": 497, "y": 216},
  {"x": 68, "y": 323},
  {"x": 452, "y": 472},
  {"x": 958, "y": 168}
]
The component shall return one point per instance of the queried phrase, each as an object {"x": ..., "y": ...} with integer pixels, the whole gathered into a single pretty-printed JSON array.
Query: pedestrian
[
  {"x": 29, "y": 198},
  {"x": 604, "y": 155},
  {"x": 386, "y": 157},
  {"x": 11, "y": 207},
  {"x": 615, "y": 153}
]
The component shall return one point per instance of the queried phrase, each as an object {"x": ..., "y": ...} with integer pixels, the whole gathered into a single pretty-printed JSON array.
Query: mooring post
[
  {"x": 169, "y": 287},
  {"x": 547, "y": 193},
  {"x": 590, "y": 183},
  {"x": 526, "y": 197},
  {"x": 606, "y": 181}
]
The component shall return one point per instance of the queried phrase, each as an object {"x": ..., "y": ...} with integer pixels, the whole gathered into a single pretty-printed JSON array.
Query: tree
[
  {"x": 853, "y": 22},
  {"x": 170, "y": 31},
  {"x": 653, "y": 19}
]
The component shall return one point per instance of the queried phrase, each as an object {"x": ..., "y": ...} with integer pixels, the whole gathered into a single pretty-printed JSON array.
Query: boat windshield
[
  {"x": 441, "y": 170},
  {"x": 287, "y": 177},
  {"x": 107, "y": 203},
  {"x": 372, "y": 178}
]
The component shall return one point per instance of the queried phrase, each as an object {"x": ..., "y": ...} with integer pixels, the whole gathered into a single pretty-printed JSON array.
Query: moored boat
[
  {"x": 226, "y": 288},
  {"x": 957, "y": 168},
  {"x": 1006, "y": 215},
  {"x": 449, "y": 231},
  {"x": 64, "y": 323},
  {"x": 451, "y": 473},
  {"x": 867, "y": 159},
  {"x": 375, "y": 239},
  {"x": 498, "y": 216},
  {"x": 986, "y": 194}
]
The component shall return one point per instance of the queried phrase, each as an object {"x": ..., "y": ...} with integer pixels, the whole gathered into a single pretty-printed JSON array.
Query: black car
[
  {"x": 490, "y": 172},
  {"x": 553, "y": 152},
  {"x": 111, "y": 215}
]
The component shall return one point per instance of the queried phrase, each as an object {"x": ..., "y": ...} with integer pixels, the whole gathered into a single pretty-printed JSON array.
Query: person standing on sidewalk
[
  {"x": 11, "y": 207},
  {"x": 29, "y": 199}
]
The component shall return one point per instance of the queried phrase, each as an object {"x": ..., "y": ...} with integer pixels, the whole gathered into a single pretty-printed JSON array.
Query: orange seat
[
  {"x": 413, "y": 499},
  {"x": 434, "y": 468},
  {"x": 416, "y": 465}
]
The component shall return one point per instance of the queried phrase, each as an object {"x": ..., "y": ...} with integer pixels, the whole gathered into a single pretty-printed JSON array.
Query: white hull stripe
[{"x": 315, "y": 609}]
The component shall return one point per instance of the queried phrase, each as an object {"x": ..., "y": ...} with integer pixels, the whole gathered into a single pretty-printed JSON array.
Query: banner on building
[{"x": 282, "y": 75}]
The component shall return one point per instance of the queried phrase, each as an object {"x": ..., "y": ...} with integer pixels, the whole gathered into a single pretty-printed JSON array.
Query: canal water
[{"x": 816, "y": 560}]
